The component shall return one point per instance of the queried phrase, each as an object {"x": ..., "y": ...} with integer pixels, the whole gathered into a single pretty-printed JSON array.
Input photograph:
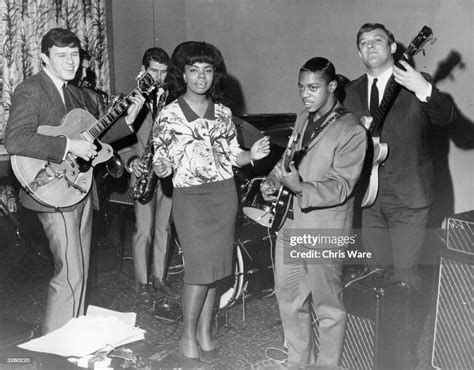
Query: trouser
[
  {"x": 151, "y": 235},
  {"x": 296, "y": 284},
  {"x": 394, "y": 234},
  {"x": 69, "y": 236}
]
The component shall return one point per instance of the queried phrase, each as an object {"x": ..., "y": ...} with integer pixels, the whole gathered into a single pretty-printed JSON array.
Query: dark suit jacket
[
  {"x": 409, "y": 164},
  {"x": 36, "y": 101}
]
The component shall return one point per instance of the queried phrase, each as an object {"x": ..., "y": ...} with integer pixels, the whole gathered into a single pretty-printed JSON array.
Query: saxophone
[{"x": 145, "y": 186}]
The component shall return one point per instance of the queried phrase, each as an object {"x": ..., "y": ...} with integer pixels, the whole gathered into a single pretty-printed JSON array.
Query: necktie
[
  {"x": 374, "y": 98},
  {"x": 67, "y": 98},
  {"x": 153, "y": 106}
]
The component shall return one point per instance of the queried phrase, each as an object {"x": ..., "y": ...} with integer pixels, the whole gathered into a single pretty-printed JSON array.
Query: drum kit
[
  {"x": 255, "y": 241},
  {"x": 253, "y": 264}
]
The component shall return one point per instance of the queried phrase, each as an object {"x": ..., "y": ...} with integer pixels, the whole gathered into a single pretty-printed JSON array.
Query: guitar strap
[{"x": 335, "y": 114}]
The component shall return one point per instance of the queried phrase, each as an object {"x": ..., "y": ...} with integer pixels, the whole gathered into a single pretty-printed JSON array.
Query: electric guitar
[
  {"x": 67, "y": 183},
  {"x": 281, "y": 206},
  {"x": 374, "y": 124}
]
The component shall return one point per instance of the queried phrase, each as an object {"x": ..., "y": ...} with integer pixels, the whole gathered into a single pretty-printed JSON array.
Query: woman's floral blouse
[{"x": 202, "y": 150}]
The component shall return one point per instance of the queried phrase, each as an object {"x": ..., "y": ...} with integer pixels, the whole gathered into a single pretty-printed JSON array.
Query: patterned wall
[{"x": 22, "y": 26}]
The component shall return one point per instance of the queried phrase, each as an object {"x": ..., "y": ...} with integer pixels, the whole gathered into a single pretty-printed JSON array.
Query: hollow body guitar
[
  {"x": 374, "y": 124},
  {"x": 67, "y": 183}
]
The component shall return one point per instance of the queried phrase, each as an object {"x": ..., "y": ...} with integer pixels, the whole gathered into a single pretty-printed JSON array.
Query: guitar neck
[
  {"x": 112, "y": 115},
  {"x": 290, "y": 150},
  {"x": 391, "y": 92}
]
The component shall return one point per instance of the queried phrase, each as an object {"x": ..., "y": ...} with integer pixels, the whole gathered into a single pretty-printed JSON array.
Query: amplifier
[
  {"x": 461, "y": 232},
  {"x": 453, "y": 344},
  {"x": 378, "y": 325}
]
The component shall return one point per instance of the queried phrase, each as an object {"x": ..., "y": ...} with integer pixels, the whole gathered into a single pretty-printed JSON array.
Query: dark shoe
[
  {"x": 211, "y": 355},
  {"x": 167, "y": 311},
  {"x": 141, "y": 293},
  {"x": 163, "y": 288}
]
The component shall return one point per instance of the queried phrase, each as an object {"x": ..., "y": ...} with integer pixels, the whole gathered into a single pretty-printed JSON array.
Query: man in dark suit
[
  {"x": 44, "y": 99},
  {"x": 152, "y": 220},
  {"x": 394, "y": 227}
]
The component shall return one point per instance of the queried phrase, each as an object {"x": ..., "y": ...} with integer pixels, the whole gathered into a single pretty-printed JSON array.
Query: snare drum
[
  {"x": 254, "y": 206},
  {"x": 253, "y": 272}
]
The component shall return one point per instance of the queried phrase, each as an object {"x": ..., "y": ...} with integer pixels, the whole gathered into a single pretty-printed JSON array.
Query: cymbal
[
  {"x": 279, "y": 132},
  {"x": 279, "y": 136},
  {"x": 247, "y": 134}
]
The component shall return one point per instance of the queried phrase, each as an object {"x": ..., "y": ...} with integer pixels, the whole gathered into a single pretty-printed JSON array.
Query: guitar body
[
  {"x": 374, "y": 124},
  {"x": 61, "y": 184},
  {"x": 280, "y": 208},
  {"x": 67, "y": 183},
  {"x": 380, "y": 155}
]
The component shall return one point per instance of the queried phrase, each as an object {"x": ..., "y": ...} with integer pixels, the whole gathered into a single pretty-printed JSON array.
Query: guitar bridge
[{"x": 69, "y": 183}]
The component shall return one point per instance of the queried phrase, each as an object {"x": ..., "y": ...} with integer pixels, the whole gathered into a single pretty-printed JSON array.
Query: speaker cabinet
[
  {"x": 378, "y": 325},
  {"x": 453, "y": 344},
  {"x": 460, "y": 236}
]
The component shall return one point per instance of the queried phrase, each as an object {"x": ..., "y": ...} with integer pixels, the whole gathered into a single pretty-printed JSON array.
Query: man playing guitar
[
  {"x": 334, "y": 145},
  {"x": 44, "y": 99},
  {"x": 393, "y": 228}
]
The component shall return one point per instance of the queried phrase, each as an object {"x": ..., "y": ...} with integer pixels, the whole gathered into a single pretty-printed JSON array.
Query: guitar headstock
[
  {"x": 145, "y": 83},
  {"x": 418, "y": 43}
]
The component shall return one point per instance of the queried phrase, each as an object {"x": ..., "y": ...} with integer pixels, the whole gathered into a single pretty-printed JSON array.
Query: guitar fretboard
[
  {"x": 391, "y": 92},
  {"x": 112, "y": 115},
  {"x": 393, "y": 88}
]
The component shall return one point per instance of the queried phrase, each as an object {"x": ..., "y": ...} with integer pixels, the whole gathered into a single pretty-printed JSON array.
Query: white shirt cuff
[{"x": 424, "y": 97}]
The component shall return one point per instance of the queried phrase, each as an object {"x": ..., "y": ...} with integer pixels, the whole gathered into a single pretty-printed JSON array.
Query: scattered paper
[
  {"x": 85, "y": 335},
  {"x": 128, "y": 318}
]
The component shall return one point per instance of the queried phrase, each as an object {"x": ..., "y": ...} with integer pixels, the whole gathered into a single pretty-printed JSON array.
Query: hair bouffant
[{"x": 188, "y": 53}]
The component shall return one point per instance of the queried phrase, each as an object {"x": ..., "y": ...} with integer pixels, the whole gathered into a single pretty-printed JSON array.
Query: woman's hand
[
  {"x": 162, "y": 167},
  {"x": 260, "y": 149}
]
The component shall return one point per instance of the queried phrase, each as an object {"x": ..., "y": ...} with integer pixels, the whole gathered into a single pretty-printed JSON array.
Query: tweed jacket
[
  {"x": 406, "y": 128},
  {"x": 36, "y": 101},
  {"x": 329, "y": 170}
]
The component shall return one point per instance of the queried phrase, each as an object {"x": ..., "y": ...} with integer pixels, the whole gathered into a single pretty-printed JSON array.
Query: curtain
[{"x": 23, "y": 24}]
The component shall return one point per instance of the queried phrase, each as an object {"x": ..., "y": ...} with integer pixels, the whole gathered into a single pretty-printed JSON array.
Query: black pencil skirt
[{"x": 204, "y": 217}]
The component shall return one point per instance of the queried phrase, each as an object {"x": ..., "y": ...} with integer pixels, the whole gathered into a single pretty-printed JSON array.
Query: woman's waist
[{"x": 211, "y": 186}]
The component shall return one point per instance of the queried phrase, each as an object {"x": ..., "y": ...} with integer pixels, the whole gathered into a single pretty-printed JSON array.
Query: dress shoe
[
  {"x": 167, "y": 311},
  {"x": 212, "y": 354},
  {"x": 142, "y": 294},
  {"x": 163, "y": 288}
]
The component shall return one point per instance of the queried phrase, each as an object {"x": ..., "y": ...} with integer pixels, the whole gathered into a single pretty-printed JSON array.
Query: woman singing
[{"x": 195, "y": 140}]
